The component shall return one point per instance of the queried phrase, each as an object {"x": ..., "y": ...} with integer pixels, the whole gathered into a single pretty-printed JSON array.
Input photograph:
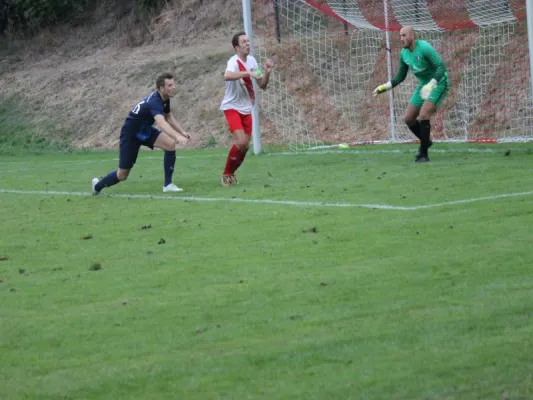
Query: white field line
[
  {"x": 474, "y": 200},
  {"x": 275, "y": 202}
]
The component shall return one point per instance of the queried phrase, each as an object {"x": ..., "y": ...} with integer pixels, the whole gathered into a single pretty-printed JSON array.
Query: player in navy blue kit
[{"x": 138, "y": 130}]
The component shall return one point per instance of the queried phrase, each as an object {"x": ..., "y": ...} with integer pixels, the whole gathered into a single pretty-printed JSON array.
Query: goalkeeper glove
[
  {"x": 427, "y": 88},
  {"x": 382, "y": 88}
]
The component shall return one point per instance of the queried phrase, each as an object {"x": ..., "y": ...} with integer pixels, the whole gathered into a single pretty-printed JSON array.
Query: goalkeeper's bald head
[{"x": 407, "y": 37}]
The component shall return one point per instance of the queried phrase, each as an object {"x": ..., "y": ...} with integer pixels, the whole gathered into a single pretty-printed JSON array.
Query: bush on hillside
[{"x": 33, "y": 15}]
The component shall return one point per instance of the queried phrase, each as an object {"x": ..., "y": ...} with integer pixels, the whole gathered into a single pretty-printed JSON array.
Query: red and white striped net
[{"x": 331, "y": 54}]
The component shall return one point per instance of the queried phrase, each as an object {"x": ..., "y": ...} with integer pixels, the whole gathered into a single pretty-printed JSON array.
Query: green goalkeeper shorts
[{"x": 437, "y": 95}]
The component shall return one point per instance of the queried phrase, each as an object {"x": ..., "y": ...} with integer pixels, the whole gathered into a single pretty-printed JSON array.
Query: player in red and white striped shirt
[{"x": 238, "y": 101}]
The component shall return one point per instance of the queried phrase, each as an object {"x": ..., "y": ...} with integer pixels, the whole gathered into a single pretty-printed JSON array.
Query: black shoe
[
  {"x": 419, "y": 153},
  {"x": 421, "y": 159}
]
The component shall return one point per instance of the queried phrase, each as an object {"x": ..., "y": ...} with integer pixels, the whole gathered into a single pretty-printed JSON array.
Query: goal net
[{"x": 331, "y": 54}]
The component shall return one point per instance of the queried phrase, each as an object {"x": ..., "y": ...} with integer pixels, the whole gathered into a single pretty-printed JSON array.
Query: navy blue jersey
[{"x": 141, "y": 118}]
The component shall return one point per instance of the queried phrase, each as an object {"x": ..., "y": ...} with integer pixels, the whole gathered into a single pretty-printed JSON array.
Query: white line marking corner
[{"x": 269, "y": 201}]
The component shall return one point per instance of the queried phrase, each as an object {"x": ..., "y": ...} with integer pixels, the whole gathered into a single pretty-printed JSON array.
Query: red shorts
[{"x": 238, "y": 121}]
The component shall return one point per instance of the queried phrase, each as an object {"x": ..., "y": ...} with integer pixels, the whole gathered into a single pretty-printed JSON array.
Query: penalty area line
[
  {"x": 474, "y": 200},
  {"x": 270, "y": 201},
  {"x": 209, "y": 199}
]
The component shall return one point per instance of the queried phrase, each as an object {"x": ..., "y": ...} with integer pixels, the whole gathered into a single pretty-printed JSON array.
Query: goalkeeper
[{"x": 430, "y": 70}]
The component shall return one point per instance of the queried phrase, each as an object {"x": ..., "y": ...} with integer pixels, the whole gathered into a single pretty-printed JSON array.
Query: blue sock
[
  {"x": 168, "y": 164},
  {"x": 110, "y": 180}
]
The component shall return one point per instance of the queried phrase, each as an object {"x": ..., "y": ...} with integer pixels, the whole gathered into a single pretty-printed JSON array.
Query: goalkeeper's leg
[
  {"x": 429, "y": 107},
  {"x": 427, "y": 110},
  {"x": 410, "y": 119},
  {"x": 411, "y": 115}
]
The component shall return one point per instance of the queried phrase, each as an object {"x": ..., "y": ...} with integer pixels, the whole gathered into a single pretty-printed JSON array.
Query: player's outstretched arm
[
  {"x": 398, "y": 78},
  {"x": 382, "y": 88},
  {"x": 234, "y": 76},
  {"x": 264, "y": 78},
  {"x": 166, "y": 127},
  {"x": 401, "y": 74},
  {"x": 176, "y": 125},
  {"x": 436, "y": 61},
  {"x": 440, "y": 70}
]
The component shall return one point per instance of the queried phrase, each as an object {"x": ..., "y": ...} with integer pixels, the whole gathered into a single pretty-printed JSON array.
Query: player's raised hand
[
  {"x": 382, "y": 88},
  {"x": 269, "y": 65}
]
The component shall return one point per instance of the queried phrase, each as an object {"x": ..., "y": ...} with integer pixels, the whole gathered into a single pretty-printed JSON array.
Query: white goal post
[{"x": 330, "y": 54}]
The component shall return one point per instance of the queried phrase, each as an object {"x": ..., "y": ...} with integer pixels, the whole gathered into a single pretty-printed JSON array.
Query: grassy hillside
[{"x": 74, "y": 84}]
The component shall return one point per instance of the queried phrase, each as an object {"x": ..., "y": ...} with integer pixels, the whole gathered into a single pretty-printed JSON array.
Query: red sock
[
  {"x": 242, "y": 154},
  {"x": 233, "y": 161}
]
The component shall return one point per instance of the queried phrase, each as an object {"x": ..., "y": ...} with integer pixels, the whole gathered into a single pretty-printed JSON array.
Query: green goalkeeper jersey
[{"x": 423, "y": 61}]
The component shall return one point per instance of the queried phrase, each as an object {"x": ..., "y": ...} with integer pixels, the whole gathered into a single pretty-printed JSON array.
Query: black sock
[
  {"x": 415, "y": 129},
  {"x": 425, "y": 129},
  {"x": 109, "y": 180},
  {"x": 168, "y": 164}
]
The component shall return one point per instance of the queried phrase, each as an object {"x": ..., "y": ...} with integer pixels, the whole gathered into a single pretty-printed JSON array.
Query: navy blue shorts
[{"x": 130, "y": 145}]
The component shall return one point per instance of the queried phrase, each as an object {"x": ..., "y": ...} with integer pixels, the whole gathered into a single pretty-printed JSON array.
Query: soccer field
[{"x": 351, "y": 274}]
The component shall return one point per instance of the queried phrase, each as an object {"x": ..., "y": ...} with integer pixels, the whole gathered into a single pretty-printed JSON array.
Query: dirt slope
[{"x": 82, "y": 81}]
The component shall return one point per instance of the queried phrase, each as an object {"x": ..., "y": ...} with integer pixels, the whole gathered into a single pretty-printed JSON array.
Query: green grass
[
  {"x": 269, "y": 301},
  {"x": 19, "y": 134}
]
